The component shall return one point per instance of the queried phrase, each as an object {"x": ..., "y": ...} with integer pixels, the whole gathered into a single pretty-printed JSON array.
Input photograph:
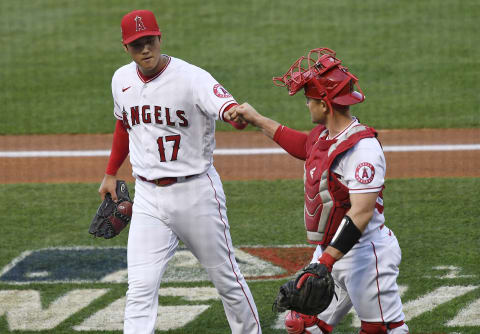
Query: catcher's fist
[
  {"x": 247, "y": 113},
  {"x": 232, "y": 115}
]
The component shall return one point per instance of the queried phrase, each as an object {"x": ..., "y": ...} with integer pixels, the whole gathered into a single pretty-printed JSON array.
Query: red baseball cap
[{"x": 137, "y": 24}]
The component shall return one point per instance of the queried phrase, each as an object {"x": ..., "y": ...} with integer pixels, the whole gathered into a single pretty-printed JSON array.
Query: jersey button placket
[{"x": 146, "y": 136}]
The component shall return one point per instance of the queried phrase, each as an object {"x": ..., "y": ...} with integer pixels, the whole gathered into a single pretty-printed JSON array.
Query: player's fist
[
  {"x": 108, "y": 186},
  {"x": 248, "y": 113},
  {"x": 232, "y": 115}
]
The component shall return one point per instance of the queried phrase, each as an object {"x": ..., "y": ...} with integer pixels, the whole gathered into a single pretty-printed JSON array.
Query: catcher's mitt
[
  {"x": 309, "y": 293},
  {"x": 111, "y": 218}
]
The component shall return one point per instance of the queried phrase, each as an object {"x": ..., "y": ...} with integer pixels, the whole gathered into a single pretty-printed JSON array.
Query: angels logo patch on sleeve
[
  {"x": 220, "y": 91},
  {"x": 364, "y": 173}
]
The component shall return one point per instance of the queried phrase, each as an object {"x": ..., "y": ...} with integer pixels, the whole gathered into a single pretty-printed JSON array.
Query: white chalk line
[{"x": 230, "y": 151}]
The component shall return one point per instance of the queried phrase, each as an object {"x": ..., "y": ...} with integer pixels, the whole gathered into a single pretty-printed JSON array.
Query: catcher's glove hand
[
  {"x": 310, "y": 293},
  {"x": 111, "y": 218}
]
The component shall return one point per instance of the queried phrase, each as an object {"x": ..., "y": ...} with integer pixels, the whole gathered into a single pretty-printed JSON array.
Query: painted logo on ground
[
  {"x": 90, "y": 265},
  {"x": 23, "y": 309}
]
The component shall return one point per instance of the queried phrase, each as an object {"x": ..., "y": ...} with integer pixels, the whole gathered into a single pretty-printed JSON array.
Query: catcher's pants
[
  {"x": 195, "y": 213},
  {"x": 366, "y": 277}
]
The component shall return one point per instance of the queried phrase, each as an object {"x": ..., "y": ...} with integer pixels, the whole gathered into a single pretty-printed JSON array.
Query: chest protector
[{"x": 326, "y": 198}]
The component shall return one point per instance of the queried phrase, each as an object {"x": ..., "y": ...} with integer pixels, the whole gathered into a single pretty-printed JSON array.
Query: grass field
[
  {"x": 418, "y": 64},
  {"x": 436, "y": 222},
  {"x": 417, "y": 60}
]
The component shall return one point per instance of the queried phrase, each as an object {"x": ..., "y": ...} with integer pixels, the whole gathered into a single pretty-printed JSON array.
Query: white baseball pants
[
  {"x": 195, "y": 213},
  {"x": 366, "y": 278}
]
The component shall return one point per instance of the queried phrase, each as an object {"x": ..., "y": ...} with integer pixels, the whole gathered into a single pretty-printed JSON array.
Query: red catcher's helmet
[{"x": 322, "y": 77}]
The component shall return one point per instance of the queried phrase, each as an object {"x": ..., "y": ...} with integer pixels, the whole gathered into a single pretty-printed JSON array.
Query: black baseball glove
[
  {"x": 309, "y": 293},
  {"x": 111, "y": 218}
]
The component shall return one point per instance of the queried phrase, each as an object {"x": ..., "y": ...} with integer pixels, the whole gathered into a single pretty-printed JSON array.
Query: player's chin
[{"x": 149, "y": 63}]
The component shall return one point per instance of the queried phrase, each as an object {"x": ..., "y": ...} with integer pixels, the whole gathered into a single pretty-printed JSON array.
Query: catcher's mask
[{"x": 323, "y": 78}]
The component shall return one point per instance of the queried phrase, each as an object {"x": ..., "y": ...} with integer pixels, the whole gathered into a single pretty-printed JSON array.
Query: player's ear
[
  {"x": 324, "y": 106},
  {"x": 125, "y": 47}
]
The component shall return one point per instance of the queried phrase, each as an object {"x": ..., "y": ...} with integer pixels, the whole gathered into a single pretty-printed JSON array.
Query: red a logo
[
  {"x": 365, "y": 174},
  {"x": 139, "y": 26}
]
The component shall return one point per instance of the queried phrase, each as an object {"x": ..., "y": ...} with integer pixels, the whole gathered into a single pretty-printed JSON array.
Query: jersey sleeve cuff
[
  {"x": 227, "y": 105},
  {"x": 365, "y": 190}
]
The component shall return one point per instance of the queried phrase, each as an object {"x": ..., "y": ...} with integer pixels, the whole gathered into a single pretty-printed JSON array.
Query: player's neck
[
  {"x": 147, "y": 74},
  {"x": 337, "y": 123}
]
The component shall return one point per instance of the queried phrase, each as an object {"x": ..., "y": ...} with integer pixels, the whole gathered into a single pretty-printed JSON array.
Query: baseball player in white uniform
[
  {"x": 344, "y": 178},
  {"x": 166, "y": 110}
]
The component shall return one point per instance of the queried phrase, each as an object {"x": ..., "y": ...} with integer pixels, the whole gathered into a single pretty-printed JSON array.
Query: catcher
[
  {"x": 344, "y": 178},
  {"x": 113, "y": 214}
]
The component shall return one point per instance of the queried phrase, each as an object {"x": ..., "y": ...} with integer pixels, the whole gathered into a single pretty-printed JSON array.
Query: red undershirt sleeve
[
  {"x": 119, "y": 149},
  {"x": 237, "y": 126},
  {"x": 292, "y": 141}
]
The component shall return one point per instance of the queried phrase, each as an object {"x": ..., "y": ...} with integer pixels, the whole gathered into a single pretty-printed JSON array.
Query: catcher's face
[
  {"x": 146, "y": 52},
  {"x": 318, "y": 110}
]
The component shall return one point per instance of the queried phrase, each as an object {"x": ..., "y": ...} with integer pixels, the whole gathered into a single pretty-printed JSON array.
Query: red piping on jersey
[
  {"x": 146, "y": 79},
  {"x": 379, "y": 207},
  {"x": 379, "y": 188},
  {"x": 229, "y": 252},
  {"x": 339, "y": 134},
  {"x": 376, "y": 278}
]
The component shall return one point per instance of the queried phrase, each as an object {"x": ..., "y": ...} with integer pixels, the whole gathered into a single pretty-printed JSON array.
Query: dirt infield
[{"x": 446, "y": 163}]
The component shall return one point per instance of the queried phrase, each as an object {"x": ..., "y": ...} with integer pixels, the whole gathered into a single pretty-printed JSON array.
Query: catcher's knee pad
[
  {"x": 298, "y": 323},
  {"x": 380, "y": 327}
]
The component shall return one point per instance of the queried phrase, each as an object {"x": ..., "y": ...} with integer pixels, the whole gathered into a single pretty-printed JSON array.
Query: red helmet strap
[
  {"x": 321, "y": 90},
  {"x": 323, "y": 93}
]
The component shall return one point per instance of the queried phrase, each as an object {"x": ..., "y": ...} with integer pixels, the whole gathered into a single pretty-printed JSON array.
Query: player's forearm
[
  {"x": 335, "y": 253},
  {"x": 351, "y": 228},
  {"x": 120, "y": 149},
  {"x": 353, "y": 225},
  {"x": 267, "y": 125},
  {"x": 360, "y": 220},
  {"x": 246, "y": 113},
  {"x": 346, "y": 236}
]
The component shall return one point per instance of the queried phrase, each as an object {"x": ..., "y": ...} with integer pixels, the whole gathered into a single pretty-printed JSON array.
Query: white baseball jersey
[
  {"x": 170, "y": 118},
  {"x": 362, "y": 169}
]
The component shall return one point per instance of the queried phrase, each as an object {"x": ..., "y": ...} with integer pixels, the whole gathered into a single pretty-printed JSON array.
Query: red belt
[{"x": 166, "y": 181}]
